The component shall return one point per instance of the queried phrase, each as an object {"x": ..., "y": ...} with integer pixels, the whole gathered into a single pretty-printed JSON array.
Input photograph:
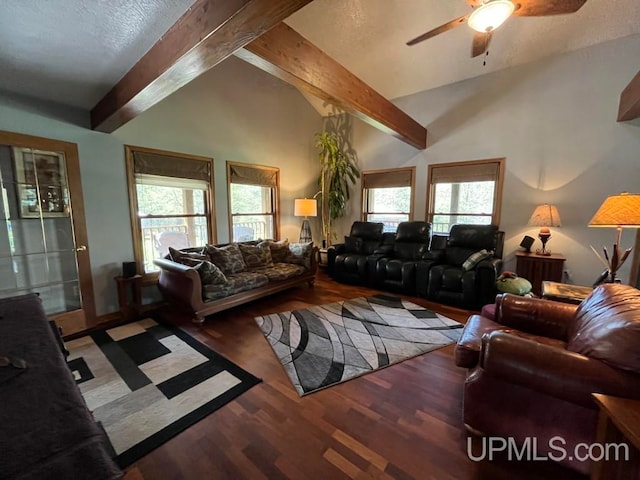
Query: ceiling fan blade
[
  {"x": 480, "y": 43},
  {"x": 437, "y": 31},
  {"x": 543, "y": 8}
]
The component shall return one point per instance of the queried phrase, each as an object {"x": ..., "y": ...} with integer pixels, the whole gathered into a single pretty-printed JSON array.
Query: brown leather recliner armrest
[
  {"x": 551, "y": 370},
  {"x": 535, "y": 315}
]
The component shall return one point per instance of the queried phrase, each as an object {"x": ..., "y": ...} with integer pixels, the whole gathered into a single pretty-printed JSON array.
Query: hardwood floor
[{"x": 400, "y": 422}]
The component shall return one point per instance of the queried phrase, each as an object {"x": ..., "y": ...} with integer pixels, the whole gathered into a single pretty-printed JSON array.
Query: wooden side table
[
  {"x": 537, "y": 268},
  {"x": 322, "y": 257},
  {"x": 618, "y": 422},
  {"x": 129, "y": 296}
]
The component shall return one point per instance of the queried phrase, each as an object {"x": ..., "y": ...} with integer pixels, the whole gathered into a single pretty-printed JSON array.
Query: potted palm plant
[{"x": 338, "y": 169}]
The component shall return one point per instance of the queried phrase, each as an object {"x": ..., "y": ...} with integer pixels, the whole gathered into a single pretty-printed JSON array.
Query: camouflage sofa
[{"x": 209, "y": 279}]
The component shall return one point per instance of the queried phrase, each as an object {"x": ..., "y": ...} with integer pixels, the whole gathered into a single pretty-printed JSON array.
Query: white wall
[
  {"x": 554, "y": 121},
  {"x": 234, "y": 112}
]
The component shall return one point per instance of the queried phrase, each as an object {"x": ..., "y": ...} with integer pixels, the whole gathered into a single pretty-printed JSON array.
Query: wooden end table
[
  {"x": 322, "y": 257},
  {"x": 537, "y": 268},
  {"x": 618, "y": 422}
]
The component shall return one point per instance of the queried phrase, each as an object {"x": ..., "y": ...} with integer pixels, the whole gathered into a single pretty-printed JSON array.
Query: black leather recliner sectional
[{"x": 412, "y": 261}]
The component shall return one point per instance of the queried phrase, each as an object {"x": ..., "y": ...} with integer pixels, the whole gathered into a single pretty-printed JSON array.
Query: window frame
[
  {"x": 364, "y": 213},
  {"x": 497, "y": 197},
  {"x": 275, "y": 198},
  {"x": 136, "y": 228}
]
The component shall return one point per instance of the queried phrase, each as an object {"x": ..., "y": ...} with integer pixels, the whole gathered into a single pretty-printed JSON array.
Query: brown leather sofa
[{"x": 533, "y": 368}]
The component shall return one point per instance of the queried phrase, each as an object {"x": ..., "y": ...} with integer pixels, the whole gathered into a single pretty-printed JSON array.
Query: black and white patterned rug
[
  {"x": 146, "y": 382},
  {"x": 324, "y": 345}
]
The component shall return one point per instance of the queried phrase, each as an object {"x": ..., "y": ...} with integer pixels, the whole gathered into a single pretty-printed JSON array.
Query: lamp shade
[
  {"x": 305, "y": 207},
  {"x": 545, "y": 216},
  {"x": 618, "y": 211},
  {"x": 490, "y": 15}
]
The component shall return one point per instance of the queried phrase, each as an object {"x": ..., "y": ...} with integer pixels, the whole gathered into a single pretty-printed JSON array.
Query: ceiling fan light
[{"x": 490, "y": 15}]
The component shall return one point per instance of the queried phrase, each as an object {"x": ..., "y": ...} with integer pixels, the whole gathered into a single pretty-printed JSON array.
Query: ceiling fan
[{"x": 487, "y": 15}]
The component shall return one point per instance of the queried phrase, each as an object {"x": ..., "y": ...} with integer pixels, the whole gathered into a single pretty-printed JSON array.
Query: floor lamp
[
  {"x": 305, "y": 207},
  {"x": 617, "y": 211}
]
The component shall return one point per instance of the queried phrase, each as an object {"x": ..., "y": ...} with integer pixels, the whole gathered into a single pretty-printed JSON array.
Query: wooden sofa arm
[{"x": 181, "y": 283}]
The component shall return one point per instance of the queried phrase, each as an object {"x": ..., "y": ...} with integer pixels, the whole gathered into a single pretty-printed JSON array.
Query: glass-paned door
[
  {"x": 37, "y": 246},
  {"x": 43, "y": 239}
]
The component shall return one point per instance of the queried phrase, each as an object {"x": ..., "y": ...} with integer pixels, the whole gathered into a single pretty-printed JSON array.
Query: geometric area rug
[
  {"x": 324, "y": 345},
  {"x": 146, "y": 382}
]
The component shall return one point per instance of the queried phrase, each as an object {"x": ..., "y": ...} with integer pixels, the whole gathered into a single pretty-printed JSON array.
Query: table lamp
[
  {"x": 545, "y": 216},
  {"x": 617, "y": 211},
  {"x": 305, "y": 207}
]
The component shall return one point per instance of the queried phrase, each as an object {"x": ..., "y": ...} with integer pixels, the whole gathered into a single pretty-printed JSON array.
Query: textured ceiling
[
  {"x": 74, "y": 51},
  {"x": 369, "y": 36}
]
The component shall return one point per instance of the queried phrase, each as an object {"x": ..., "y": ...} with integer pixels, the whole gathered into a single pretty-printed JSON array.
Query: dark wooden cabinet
[{"x": 537, "y": 268}]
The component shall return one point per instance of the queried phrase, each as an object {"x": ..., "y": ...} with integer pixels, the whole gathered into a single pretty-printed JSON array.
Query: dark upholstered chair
[
  {"x": 347, "y": 262},
  {"x": 533, "y": 368},
  {"x": 443, "y": 277},
  {"x": 397, "y": 271}
]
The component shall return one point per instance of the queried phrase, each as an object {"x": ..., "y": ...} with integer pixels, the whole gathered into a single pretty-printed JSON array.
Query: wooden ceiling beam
[
  {"x": 629, "y": 108},
  {"x": 206, "y": 34},
  {"x": 284, "y": 53}
]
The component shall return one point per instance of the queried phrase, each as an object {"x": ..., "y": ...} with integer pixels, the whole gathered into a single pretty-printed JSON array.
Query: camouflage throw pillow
[
  {"x": 280, "y": 252},
  {"x": 210, "y": 274},
  {"x": 186, "y": 258},
  {"x": 256, "y": 256},
  {"x": 301, "y": 254},
  {"x": 228, "y": 258}
]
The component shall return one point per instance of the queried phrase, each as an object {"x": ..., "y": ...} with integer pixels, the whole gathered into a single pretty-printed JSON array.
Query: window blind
[
  {"x": 391, "y": 178},
  {"x": 248, "y": 175},
  {"x": 145, "y": 163},
  {"x": 480, "y": 172}
]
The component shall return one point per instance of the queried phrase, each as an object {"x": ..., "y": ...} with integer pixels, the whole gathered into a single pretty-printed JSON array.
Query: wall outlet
[{"x": 568, "y": 278}]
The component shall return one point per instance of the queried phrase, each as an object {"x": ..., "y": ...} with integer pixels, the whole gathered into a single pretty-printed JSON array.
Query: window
[
  {"x": 464, "y": 192},
  {"x": 171, "y": 201},
  {"x": 253, "y": 201},
  {"x": 387, "y": 196}
]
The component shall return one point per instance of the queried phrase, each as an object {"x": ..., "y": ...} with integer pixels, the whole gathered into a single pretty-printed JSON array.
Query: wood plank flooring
[{"x": 400, "y": 422}]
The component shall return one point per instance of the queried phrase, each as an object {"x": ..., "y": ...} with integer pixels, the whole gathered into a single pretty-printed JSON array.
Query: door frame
[{"x": 85, "y": 317}]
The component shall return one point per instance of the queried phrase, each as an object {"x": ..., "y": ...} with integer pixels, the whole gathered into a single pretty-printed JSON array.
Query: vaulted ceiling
[{"x": 74, "y": 51}]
